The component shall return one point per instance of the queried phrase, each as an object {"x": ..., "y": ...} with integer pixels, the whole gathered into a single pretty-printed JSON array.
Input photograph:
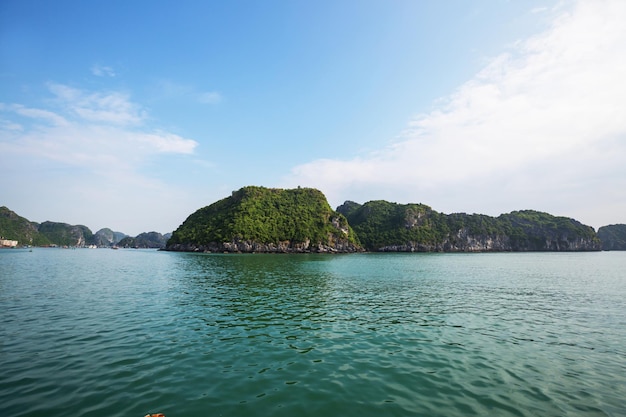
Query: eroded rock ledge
[{"x": 247, "y": 246}]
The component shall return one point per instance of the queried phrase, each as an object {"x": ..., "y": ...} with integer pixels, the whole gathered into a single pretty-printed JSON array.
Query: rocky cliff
[{"x": 249, "y": 246}]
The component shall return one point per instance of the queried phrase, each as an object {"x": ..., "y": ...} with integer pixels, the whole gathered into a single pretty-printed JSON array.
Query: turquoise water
[{"x": 127, "y": 332}]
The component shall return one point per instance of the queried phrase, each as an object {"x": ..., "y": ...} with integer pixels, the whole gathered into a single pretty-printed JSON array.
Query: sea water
[{"x": 129, "y": 332}]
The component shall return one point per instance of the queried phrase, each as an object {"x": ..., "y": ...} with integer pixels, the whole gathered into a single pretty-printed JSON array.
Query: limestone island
[{"x": 269, "y": 220}]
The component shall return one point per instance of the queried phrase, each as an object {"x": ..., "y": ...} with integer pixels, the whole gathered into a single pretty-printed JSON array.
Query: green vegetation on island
[
  {"x": 532, "y": 230},
  {"x": 147, "y": 240},
  {"x": 259, "y": 219},
  {"x": 613, "y": 237},
  {"x": 25, "y": 232},
  {"x": 63, "y": 234},
  {"x": 380, "y": 224},
  {"x": 385, "y": 226},
  {"x": 16, "y": 228}
]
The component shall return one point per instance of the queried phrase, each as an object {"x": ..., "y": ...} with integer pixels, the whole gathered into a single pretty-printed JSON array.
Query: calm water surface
[{"x": 123, "y": 333}]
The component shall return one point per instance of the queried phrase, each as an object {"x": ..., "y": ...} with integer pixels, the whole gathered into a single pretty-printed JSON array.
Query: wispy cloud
[
  {"x": 89, "y": 123},
  {"x": 106, "y": 107},
  {"x": 31, "y": 113},
  {"x": 85, "y": 152},
  {"x": 552, "y": 106},
  {"x": 102, "y": 71}
]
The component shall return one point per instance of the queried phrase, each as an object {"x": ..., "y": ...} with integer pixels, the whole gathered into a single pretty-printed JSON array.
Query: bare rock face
[{"x": 248, "y": 246}]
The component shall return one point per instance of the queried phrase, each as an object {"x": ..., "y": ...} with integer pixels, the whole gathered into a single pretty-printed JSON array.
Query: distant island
[
  {"x": 22, "y": 231},
  {"x": 613, "y": 237},
  {"x": 271, "y": 220},
  {"x": 146, "y": 240}
]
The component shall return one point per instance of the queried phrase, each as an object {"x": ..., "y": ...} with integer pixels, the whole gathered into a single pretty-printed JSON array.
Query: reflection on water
[{"x": 119, "y": 333}]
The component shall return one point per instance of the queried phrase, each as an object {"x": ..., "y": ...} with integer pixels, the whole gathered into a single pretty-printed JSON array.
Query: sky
[{"x": 133, "y": 115}]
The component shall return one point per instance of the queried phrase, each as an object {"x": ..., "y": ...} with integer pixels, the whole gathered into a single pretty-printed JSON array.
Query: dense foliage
[
  {"x": 266, "y": 215},
  {"x": 613, "y": 237},
  {"x": 381, "y": 224},
  {"x": 530, "y": 230},
  {"x": 14, "y": 227},
  {"x": 63, "y": 234}
]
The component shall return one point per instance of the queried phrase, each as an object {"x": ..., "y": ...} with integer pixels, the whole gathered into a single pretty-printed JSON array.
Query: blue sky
[{"x": 132, "y": 115}]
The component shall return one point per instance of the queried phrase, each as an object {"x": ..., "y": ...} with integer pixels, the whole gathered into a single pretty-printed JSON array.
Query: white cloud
[
  {"x": 102, "y": 71},
  {"x": 89, "y": 152},
  {"x": 166, "y": 142},
  {"x": 46, "y": 116},
  {"x": 107, "y": 107},
  {"x": 101, "y": 148},
  {"x": 545, "y": 108},
  {"x": 94, "y": 123}
]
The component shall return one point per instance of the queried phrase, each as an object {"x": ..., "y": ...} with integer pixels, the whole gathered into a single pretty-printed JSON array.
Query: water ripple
[{"x": 120, "y": 333}]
